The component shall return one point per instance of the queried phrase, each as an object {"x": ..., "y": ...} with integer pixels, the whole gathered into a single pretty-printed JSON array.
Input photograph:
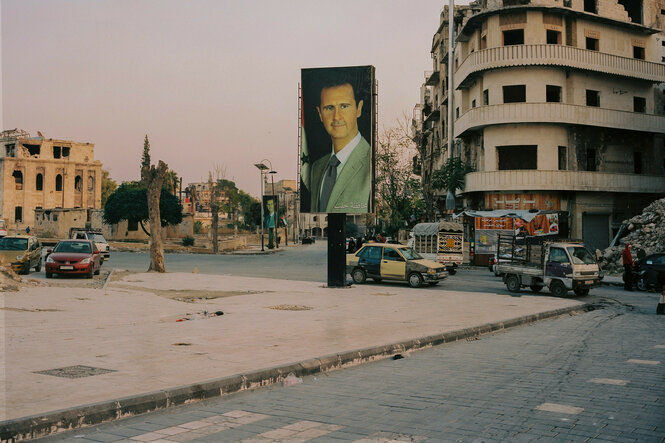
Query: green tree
[
  {"x": 398, "y": 190},
  {"x": 172, "y": 182},
  {"x": 130, "y": 202},
  {"x": 450, "y": 176},
  {"x": 108, "y": 186},
  {"x": 246, "y": 201}
]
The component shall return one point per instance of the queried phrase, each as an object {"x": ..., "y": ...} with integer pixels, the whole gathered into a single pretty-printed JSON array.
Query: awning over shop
[{"x": 524, "y": 214}]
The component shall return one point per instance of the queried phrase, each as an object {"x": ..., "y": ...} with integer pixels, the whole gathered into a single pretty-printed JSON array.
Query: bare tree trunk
[
  {"x": 215, "y": 224},
  {"x": 154, "y": 178}
]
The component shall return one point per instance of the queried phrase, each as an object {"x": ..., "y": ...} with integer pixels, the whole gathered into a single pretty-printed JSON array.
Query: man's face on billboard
[
  {"x": 339, "y": 113},
  {"x": 271, "y": 205}
]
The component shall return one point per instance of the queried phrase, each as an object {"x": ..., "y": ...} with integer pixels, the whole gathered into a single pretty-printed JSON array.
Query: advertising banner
[
  {"x": 337, "y": 140},
  {"x": 270, "y": 211}
]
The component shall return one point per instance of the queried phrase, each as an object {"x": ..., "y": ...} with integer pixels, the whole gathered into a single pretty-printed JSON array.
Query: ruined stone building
[
  {"x": 558, "y": 105},
  {"x": 41, "y": 173}
]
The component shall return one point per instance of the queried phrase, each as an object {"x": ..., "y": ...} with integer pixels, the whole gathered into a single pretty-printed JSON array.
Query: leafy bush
[
  {"x": 198, "y": 227},
  {"x": 188, "y": 241}
]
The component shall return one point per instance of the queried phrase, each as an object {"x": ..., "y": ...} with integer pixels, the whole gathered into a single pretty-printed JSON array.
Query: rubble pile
[
  {"x": 646, "y": 233},
  {"x": 9, "y": 280}
]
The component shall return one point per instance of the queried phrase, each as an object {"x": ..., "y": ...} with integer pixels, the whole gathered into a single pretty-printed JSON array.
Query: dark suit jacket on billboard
[{"x": 353, "y": 185}]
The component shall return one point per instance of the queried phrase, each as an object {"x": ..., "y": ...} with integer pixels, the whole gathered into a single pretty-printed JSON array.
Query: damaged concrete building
[
  {"x": 558, "y": 105},
  {"x": 40, "y": 173}
]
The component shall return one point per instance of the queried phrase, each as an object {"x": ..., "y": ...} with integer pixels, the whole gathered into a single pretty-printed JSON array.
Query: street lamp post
[{"x": 261, "y": 168}]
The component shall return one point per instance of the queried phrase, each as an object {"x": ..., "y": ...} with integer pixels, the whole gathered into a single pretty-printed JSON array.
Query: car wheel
[
  {"x": 38, "y": 268},
  {"x": 90, "y": 274},
  {"x": 558, "y": 289},
  {"x": 452, "y": 271},
  {"x": 581, "y": 292},
  {"x": 536, "y": 288},
  {"x": 97, "y": 271},
  {"x": 49, "y": 275},
  {"x": 513, "y": 283},
  {"x": 415, "y": 280},
  {"x": 358, "y": 276},
  {"x": 641, "y": 284}
]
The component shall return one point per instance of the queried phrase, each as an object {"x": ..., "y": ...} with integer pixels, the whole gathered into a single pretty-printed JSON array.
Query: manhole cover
[{"x": 77, "y": 371}]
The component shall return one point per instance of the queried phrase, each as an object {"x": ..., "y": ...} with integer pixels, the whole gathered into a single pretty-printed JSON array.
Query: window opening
[
  {"x": 562, "y": 158},
  {"x": 457, "y": 112},
  {"x": 39, "y": 182},
  {"x": 91, "y": 183},
  {"x": 58, "y": 182},
  {"x": 591, "y": 160},
  {"x": 638, "y": 52},
  {"x": 592, "y": 98},
  {"x": 553, "y": 94},
  {"x": 592, "y": 44},
  {"x": 553, "y": 37},
  {"x": 590, "y": 6},
  {"x": 33, "y": 149},
  {"x": 65, "y": 151},
  {"x": 473, "y": 103},
  {"x": 637, "y": 162},
  {"x": 517, "y": 157},
  {"x": 78, "y": 183},
  {"x": 132, "y": 225},
  {"x": 514, "y": 94},
  {"x": 10, "y": 150},
  {"x": 639, "y": 104},
  {"x": 18, "y": 214},
  {"x": 57, "y": 152},
  {"x": 18, "y": 180},
  {"x": 513, "y": 37},
  {"x": 634, "y": 9},
  {"x": 486, "y": 97}
]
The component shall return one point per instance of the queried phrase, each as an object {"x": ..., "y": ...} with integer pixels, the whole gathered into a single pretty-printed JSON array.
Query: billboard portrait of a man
[
  {"x": 270, "y": 213},
  {"x": 338, "y": 138}
]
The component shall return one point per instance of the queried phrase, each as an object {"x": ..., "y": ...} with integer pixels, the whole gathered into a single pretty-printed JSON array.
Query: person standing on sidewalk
[{"x": 627, "y": 260}]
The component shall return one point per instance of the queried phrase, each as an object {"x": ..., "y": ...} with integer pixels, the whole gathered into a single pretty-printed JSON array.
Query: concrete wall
[{"x": 548, "y": 138}]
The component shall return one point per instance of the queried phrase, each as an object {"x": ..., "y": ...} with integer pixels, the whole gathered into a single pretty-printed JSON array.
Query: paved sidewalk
[{"x": 145, "y": 341}]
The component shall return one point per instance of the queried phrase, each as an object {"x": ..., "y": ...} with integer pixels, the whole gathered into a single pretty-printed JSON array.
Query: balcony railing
[
  {"x": 432, "y": 79},
  {"x": 509, "y": 113},
  {"x": 557, "y": 55},
  {"x": 531, "y": 180}
]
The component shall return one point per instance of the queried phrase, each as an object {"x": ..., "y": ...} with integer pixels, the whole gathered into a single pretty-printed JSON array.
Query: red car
[{"x": 74, "y": 257}]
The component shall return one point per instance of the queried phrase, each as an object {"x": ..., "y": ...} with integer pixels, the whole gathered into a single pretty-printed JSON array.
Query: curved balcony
[
  {"x": 510, "y": 113},
  {"x": 533, "y": 180},
  {"x": 556, "y": 55}
]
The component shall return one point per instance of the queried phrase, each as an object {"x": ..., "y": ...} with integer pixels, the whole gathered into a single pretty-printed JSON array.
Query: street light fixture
[
  {"x": 266, "y": 170},
  {"x": 261, "y": 168}
]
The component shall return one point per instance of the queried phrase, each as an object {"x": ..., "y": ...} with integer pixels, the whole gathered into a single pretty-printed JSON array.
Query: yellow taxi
[
  {"x": 22, "y": 252},
  {"x": 380, "y": 261}
]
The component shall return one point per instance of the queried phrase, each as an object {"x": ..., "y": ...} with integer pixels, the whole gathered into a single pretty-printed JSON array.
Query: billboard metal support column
[{"x": 336, "y": 250}]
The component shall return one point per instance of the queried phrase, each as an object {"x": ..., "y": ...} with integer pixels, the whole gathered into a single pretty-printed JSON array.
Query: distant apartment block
[
  {"x": 41, "y": 173},
  {"x": 558, "y": 105}
]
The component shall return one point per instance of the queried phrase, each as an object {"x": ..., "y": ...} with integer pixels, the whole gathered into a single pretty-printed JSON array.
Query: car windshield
[
  {"x": 13, "y": 244},
  {"x": 580, "y": 256},
  {"x": 410, "y": 254},
  {"x": 97, "y": 238},
  {"x": 73, "y": 246}
]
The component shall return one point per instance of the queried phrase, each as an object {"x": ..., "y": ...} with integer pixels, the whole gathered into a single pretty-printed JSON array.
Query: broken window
[
  {"x": 473, "y": 103},
  {"x": 562, "y": 158},
  {"x": 10, "y": 150},
  {"x": 590, "y": 6},
  {"x": 553, "y": 94},
  {"x": 591, "y": 160},
  {"x": 514, "y": 94},
  {"x": 39, "y": 182},
  {"x": 517, "y": 157},
  {"x": 592, "y": 44},
  {"x": 514, "y": 37},
  {"x": 65, "y": 151},
  {"x": 18, "y": 214},
  {"x": 637, "y": 162},
  {"x": 553, "y": 37},
  {"x": 78, "y": 183},
  {"x": 57, "y": 151},
  {"x": 634, "y": 9},
  {"x": 18, "y": 179},
  {"x": 486, "y": 97},
  {"x": 58, "y": 182},
  {"x": 639, "y": 104},
  {"x": 638, "y": 52},
  {"x": 592, "y": 97},
  {"x": 33, "y": 149}
]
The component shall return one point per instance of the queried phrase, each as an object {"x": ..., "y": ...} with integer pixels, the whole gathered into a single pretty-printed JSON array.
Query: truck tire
[
  {"x": 558, "y": 289},
  {"x": 513, "y": 283},
  {"x": 358, "y": 276},
  {"x": 39, "y": 266},
  {"x": 581, "y": 292},
  {"x": 415, "y": 280}
]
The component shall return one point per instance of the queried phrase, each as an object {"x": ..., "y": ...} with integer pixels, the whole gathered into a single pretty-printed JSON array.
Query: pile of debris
[
  {"x": 9, "y": 280},
  {"x": 646, "y": 233}
]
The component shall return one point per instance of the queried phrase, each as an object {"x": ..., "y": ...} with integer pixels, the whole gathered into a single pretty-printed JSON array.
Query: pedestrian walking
[
  {"x": 627, "y": 260},
  {"x": 352, "y": 246}
]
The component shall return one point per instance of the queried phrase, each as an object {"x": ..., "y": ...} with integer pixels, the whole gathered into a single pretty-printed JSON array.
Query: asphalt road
[{"x": 596, "y": 376}]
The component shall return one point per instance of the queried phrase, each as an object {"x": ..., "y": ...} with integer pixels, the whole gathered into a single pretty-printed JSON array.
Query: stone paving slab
[{"x": 158, "y": 337}]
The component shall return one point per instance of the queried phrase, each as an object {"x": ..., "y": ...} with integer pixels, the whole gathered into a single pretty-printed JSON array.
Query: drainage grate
[{"x": 77, "y": 371}]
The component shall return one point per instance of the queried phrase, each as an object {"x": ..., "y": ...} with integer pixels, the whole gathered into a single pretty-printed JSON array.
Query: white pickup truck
[
  {"x": 560, "y": 266},
  {"x": 97, "y": 237}
]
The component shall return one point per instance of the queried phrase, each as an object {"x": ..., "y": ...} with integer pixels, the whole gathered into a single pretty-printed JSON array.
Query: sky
[{"x": 213, "y": 83}]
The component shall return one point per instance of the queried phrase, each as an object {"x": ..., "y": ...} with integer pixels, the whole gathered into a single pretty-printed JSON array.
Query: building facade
[
  {"x": 41, "y": 173},
  {"x": 559, "y": 105}
]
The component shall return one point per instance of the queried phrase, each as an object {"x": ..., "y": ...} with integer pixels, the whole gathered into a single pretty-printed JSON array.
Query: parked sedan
[
  {"x": 22, "y": 252},
  {"x": 74, "y": 257},
  {"x": 380, "y": 261},
  {"x": 654, "y": 267}
]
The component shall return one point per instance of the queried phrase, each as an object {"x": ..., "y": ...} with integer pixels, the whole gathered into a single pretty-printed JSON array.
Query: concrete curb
[{"x": 68, "y": 419}]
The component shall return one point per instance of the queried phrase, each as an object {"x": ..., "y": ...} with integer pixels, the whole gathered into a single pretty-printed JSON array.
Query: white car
[{"x": 99, "y": 240}]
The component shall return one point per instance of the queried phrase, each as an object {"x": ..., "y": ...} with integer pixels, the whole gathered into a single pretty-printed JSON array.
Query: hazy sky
[{"x": 212, "y": 82}]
